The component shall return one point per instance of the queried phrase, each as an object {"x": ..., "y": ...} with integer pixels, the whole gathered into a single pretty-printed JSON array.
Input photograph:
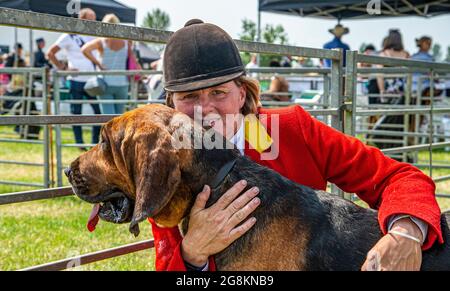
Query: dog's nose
[{"x": 67, "y": 171}]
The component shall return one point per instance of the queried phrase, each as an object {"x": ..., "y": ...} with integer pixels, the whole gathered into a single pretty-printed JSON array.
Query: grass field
[{"x": 42, "y": 231}]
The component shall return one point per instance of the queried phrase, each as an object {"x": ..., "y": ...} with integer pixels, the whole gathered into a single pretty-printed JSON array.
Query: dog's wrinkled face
[{"x": 134, "y": 171}]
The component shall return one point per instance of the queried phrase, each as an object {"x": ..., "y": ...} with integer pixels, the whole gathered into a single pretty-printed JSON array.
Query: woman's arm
[
  {"x": 387, "y": 185},
  {"x": 88, "y": 49}
]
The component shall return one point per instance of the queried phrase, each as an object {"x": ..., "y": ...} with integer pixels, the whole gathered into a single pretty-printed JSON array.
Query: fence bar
[
  {"x": 20, "y": 184},
  {"x": 34, "y": 195},
  {"x": 410, "y": 110},
  {"x": 40, "y": 21},
  {"x": 56, "y": 119},
  {"x": 281, "y": 70},
  {"x": 402, "y": 62},
  {"x": 46, "y": 138},
  {"x": 434, "y": 166},
  {"x": 58, "y": 133},
  {"x": 399, "y": 133},
  {"x": 415, "y": 148},
  {"x": 20, "y": 140},
  {"x": 21, "y": 163},
  {"x": 93, "y": 257},
  {"x": 12, "y": 70},
  {"x": 441, "y": 179},
  {"x": 108, "y": 73},
  {"x": 391, "y": 70},
  {"x": 351, "y": 79},
  {"x": 337, "y": 101},
  {"x": 443, "y": 196}
]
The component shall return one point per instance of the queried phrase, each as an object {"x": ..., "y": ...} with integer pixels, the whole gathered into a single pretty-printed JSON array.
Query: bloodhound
[{"x": 139, "y": 170}]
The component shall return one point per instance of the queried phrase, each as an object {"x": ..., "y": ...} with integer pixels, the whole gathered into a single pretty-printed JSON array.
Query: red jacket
[{"x": 312, "y": 153}]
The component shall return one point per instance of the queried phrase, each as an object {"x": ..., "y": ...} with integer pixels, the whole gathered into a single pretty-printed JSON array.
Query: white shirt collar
[{"x": 239, "y": 139}]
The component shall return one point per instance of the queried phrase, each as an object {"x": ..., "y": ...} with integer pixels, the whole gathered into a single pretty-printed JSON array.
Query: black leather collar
[{"x": 220, "y": 177}]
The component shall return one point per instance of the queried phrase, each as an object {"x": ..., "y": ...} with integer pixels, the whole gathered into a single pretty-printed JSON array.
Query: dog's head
[{"x": 135, "y": 171}]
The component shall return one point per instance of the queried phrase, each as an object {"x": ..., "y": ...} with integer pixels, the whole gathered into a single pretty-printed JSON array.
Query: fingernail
[
  {"x": 205, "y": 188},
  {"x": 243, "y": 183},
  {"x": 253, "y": 219},
  {"x": 256, "y": 201},
  {"x": 255, "y": 189}
]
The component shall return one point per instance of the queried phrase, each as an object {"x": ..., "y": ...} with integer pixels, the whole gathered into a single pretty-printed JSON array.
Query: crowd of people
[{"x": 84, "y": 54}]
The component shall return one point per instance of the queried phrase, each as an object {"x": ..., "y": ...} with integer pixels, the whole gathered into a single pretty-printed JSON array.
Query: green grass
[
  {"x": 38, "y": 232},
  {"x": 42, "y": 231}
]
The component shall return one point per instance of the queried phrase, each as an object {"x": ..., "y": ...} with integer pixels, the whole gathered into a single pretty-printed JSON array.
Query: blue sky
[{"x": 307, "y": 32}]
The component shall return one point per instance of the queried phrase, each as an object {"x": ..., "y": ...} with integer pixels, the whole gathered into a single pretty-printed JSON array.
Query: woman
[
  {"x": 203, "y": 70},
  {"x": 390, "y": 90},
  {"x": 115, "y": 54},
  {"x": 392, "y": 48}
]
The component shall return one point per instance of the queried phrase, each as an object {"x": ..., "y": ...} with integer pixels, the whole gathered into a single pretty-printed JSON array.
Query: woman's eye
[
  {"x": 188, "y": 97},
  {"x": 218, "y": 93}
]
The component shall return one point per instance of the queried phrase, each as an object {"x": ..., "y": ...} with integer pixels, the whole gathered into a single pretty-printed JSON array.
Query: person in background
[
  {"x": 392, "y": 48},
  {"x": 40, "y": 60},
  {"x": 72, "y": 44},
  {"x": 424, "y": 45},
  {"x": 372, "y": 85},
  {"x": 278, "y": 84},
  {"x": 391, "y": 92},
  {"x": 114, "y": 56},
  {"x": 253, "y": 64},
  {"x": 338, "y": 31},
  {"x": 15, "y": 58}
]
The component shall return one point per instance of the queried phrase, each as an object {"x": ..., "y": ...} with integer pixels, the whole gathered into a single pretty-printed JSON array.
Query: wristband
[{"x": 405, "y": 235}]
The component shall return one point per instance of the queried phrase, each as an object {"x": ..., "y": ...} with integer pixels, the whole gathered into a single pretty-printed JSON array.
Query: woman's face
[{"x": 219, "y": 106}]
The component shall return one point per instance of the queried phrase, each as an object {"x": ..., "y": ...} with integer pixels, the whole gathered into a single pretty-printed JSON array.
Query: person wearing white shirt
[{"x": 72, "y": 44}]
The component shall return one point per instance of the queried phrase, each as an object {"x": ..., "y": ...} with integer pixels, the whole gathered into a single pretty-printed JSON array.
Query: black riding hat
[{"x": 198, "y": 56}]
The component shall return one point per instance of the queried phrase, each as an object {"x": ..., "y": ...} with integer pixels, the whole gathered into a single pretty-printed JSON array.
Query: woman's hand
[
  {"x": 213, "y": 229},
  {"x": 396, "y": 253}
]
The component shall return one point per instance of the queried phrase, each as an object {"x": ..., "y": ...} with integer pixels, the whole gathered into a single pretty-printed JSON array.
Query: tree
[
  {"x": 248, "y": 30},
  {"x": 437, "y": 54},
  {"x": 270, "y": 34},
  {"x": 157, "y": 19}
]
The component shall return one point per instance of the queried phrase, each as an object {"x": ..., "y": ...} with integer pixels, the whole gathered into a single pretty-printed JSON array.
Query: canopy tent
[
  {"x": 353, "y": 9},
  {"x": 59, "y": 7}
]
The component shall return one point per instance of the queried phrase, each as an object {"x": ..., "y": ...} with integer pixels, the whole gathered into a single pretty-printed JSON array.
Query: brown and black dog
[{"x": 138, "y": 171}]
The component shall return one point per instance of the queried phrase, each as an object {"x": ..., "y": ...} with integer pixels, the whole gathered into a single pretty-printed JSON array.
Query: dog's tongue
[{"x": 93, "y": 218}]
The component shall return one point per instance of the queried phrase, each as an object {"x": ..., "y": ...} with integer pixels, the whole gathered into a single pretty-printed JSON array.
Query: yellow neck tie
[{"x": 256, "y": 134}]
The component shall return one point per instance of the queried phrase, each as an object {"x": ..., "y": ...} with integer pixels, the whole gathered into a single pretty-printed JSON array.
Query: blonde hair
[
  {"x": 111, "y": 18},
  {"x": 85, "y": 11},
  {"x": 252, "y": 101}
]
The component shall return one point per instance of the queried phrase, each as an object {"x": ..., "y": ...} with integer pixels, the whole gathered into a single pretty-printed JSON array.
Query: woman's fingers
[
  {"x": 229, "y": 196},
  {"x": 241, "y": 201},
  {"x": 243, "y": 213},
  {"x": 202, "y": 198},
  {"x": 241, "y": 229}
]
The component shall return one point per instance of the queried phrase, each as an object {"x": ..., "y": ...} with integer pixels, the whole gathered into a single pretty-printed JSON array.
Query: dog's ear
[{"x": 156, "y": 174}]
